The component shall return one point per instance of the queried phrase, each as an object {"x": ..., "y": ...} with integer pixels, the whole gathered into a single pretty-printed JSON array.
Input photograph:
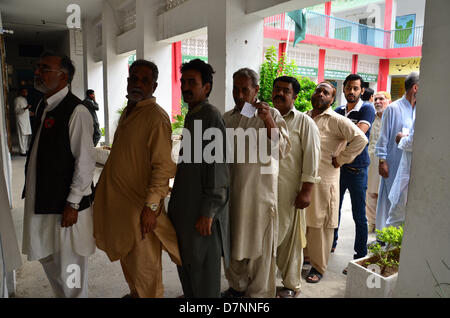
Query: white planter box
[
  {"x": 101, "y": 155},
  {"x": 363, "y": 283}
]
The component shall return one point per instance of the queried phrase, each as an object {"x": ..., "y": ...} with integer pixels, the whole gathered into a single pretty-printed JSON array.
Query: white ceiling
[{"x": 36, "y": 20}]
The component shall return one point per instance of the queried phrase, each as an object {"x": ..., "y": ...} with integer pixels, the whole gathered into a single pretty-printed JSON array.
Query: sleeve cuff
[
  {"x": 74, "y": 198},
  {"x": 153, "y": 198},
  {"x": 364, "y": 122},
  {"x": 382, "y": 157},
  {"x": 311, "y": 179}
]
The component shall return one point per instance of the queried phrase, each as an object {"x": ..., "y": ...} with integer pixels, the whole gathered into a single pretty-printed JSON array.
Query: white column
[
  {"x": 149, "y": 48},
  {"x": 93, "y": 70},
  {"x": 115, "y": 71},
  {"x": 427, "y": 229},
  {"x": 76, "y": 55},
  {"x": 235, "y": 40}
]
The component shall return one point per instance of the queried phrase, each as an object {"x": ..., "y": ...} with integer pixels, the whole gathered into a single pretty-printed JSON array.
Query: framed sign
[{"x": 404, "y": 30}]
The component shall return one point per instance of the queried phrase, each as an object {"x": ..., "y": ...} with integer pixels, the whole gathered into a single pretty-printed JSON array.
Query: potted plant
[{"x": 375, "y": 275}]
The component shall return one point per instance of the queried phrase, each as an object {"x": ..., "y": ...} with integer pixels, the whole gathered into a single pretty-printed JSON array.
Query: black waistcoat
[{"x": 55, "y": 162}]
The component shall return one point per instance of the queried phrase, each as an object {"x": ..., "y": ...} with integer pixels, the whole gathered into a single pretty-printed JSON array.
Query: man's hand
[
  {"x": 263, "y": 111},
  {"x": 303, "y": 198},
  {"x": 203, "y": 225},
  {"x": 148, "y": 221},
  {"x": 70, "y": 216},
  {"x": 334, "y": 162},
  {"x": 399, "y": 136},
  {"x": 383, "y": 169}
]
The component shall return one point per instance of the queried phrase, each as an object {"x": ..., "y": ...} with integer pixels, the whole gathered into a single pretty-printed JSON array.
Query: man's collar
[
  {"x": 197, "y": 107},
  {"x": 56, "y": 98},
  {"x": 290, "y": 111},
  {"x": 357, "y": 106},
  {"x": 147, "y": 101},
  {"x": 329, "y": 111}
]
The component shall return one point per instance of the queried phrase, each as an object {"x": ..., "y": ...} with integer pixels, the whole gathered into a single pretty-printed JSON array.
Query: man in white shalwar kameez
[
  {"x": 253, "y": 201},
  {"x": 398, "y": 117},
  {"x": 21, "y": 107},
  {"x": 299, "y": 171},
  {"x": 60, "y": 238},
  {"x": 381, "y": 102}
]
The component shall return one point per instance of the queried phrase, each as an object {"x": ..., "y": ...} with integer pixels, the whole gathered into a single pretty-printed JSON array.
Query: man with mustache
[
  {"x": 398, "y": 117},
  {"x": 381, "y": 102},
  {"x": 299, "y": 171},
  {"x": 354, "y": 174},
  {"x": 198, "y": 205},
  {"x": 130, "y": 222},
  {"x": 57, "y": 226},
  {"x": 254, "y": 194},
  {"x": 340, "y": 142}
]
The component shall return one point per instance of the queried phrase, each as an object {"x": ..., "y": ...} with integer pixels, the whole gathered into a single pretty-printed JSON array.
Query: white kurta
[
  {"x": 300, "y": 165},
  {"x": 42, "y": 233},
  {"x": 254, "y": 196},
  {"x": 400, "y": 114},
  {"x": 22, "y": 122},
  {"x": 373, "y": 176},
  {"x": 399, "y": 191},
  {"x": 22, "y": 115}
]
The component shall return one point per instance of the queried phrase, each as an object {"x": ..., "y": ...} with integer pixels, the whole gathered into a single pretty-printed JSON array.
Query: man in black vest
[{"x": 58, "y": 227}]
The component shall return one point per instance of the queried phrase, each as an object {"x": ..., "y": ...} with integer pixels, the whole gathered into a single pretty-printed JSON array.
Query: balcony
[{"x": 321, "y": 25}]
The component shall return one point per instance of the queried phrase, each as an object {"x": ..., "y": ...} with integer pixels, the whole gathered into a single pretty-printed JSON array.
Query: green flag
[{"x": 299, "y": 17}]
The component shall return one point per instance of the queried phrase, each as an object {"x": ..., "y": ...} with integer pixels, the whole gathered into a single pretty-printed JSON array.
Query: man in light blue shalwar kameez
[
  {"x": 399, "y": 191},
  {"x": 398, "y": 117}
]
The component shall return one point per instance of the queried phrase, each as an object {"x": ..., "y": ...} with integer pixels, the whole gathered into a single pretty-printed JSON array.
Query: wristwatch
[
  {"x": 382, "y": 160},
  {"x": 152, "y": 206},
  {"x": 75, "y": 206}
]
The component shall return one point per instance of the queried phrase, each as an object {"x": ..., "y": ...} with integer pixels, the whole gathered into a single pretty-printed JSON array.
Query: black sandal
[{"x": 313, "y": 272}]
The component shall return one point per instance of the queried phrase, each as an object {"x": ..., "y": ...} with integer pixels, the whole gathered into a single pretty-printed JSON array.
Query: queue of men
[{"x": 258, "y": 187}]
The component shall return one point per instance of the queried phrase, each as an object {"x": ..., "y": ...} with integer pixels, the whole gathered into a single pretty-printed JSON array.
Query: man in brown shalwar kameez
[
  {"x": 130, "y": 223},
  {"x": 340, "y": 142}
]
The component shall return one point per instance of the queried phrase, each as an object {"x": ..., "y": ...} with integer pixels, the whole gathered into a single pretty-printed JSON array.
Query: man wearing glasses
[{"x": 59, "y": 170}]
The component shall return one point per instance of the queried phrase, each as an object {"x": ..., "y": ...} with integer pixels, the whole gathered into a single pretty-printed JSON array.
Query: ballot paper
[
  {"x": 248, "y": 110},
  {"x": 405, "y": 131}
]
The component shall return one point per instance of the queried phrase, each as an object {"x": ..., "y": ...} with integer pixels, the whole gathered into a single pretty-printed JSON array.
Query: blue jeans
[{"x": 356, "y": 183}]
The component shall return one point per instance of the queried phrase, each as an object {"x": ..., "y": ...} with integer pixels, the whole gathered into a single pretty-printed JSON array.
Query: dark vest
[{"x": 55, "y": 163}]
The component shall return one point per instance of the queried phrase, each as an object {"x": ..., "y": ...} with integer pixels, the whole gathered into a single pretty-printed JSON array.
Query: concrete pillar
[
  {"x": 77, "y": 57},
  {"x": 176, "y": 75},
  {"x": 425, "y": 257},
  {"x": 321, "y": 66},
  {"x": 383, "y": 75},
  {"x": 281, "y": 49},
  {"x": 235, "y": 40},
  {"x": 327, "y": 20},
  {"x": 388, "y": 6},
  {"x": 354, "y": 63},
  {"x": 149, "y": 48},
  {"x": 115, "y": 70},
  {"x": 93, "y": 70}
]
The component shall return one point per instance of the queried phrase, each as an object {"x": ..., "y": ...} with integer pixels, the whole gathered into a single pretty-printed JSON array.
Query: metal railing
[{"x": 340, "y": 29}]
